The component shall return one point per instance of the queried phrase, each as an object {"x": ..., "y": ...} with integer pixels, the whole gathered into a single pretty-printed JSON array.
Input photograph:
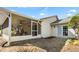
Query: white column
[{"x": 10, "y": 18}]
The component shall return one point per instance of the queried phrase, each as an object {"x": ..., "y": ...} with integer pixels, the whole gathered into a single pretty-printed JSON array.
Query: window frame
[
  {"x": 65, "y": 30},
  {"x": 34, "y": 30}
]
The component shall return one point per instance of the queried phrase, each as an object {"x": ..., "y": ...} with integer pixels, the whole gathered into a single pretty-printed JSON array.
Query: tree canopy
[{"x": 74, "y": 22}]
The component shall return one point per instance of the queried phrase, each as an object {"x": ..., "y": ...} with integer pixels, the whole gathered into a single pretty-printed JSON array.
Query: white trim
[{"x": 27, "y": 37}]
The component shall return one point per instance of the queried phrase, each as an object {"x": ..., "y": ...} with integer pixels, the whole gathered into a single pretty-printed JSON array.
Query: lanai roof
[{"x": 22, "y": 15}]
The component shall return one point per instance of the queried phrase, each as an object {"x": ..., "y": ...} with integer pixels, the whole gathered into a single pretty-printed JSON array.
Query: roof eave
[
  {"x": 49, "y": 17},
  {"x": 58, "y": 24},
  {"x": 18, "y": 14}
]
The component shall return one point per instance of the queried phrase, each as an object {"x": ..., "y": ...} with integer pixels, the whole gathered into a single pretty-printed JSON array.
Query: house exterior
[
  {"x": 61, "y": 29},
  {"x": 46, "y": 29},
  {"x": 16, "y": 27}
]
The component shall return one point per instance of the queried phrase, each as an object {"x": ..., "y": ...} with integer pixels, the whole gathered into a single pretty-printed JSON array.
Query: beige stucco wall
[
  {"x": 54, "y": 30},
  {"x": 46, "y": 29}
]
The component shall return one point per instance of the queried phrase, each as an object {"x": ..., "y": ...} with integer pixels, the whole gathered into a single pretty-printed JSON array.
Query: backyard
[{"x": 42, "y": 45}]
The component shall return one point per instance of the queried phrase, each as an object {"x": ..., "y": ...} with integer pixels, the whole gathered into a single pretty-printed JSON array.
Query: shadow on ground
[{"x": 49, "y": 44}]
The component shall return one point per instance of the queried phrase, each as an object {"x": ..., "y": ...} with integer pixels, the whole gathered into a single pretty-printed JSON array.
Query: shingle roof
[
  {"x": 66, "y": 20},
  {"x": 57, "y": 21},
  {"x": 49, "y": 17},
  {"x": 63, "y": 21}
]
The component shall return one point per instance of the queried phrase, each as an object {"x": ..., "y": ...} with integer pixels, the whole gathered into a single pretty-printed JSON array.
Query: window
[
  {"x": 34, "y": 29},
  {"x": 34, "y": 33},
  {"x": 39, "y": 28},
  {"x": 34, "y": 26},
  {"x": 65, "y": 30}
]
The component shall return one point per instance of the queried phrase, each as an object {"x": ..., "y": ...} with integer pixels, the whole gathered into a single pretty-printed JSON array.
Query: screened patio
[{"x": 16, "y": 27}]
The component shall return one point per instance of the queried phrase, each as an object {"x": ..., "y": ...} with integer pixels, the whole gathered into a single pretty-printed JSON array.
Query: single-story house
[
  {"x": 16, "y": 27},
  {"x": 62, "y": 29}
]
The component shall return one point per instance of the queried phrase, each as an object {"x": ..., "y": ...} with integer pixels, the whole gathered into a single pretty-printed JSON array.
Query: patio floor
[
  {"x": 36, "y": 45},
  {"x": 48, "y": 44}
]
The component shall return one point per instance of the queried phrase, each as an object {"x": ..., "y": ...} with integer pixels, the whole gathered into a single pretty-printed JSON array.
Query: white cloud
[
  {"x": 69, "y": 14},
  {"x": 41, "y": 14},
  {"x": 43, "y": 11},
  {"x": 72, "y": 10}
]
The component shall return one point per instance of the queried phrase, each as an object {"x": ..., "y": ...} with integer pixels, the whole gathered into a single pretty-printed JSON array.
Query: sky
[{"x": 41, "y": 12}]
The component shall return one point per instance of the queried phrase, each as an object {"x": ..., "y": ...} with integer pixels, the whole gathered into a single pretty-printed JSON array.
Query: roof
[
  {"x": 66, "y": 20},
  {"x": 18, "y": 13},
  {"x": 57, "y": 21},
  {"x": 49, "y": 17},
  {"x": 63, "y": 21}
]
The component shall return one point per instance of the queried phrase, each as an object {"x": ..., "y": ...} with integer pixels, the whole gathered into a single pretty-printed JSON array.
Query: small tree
[{"x": 74, "y": 23}]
